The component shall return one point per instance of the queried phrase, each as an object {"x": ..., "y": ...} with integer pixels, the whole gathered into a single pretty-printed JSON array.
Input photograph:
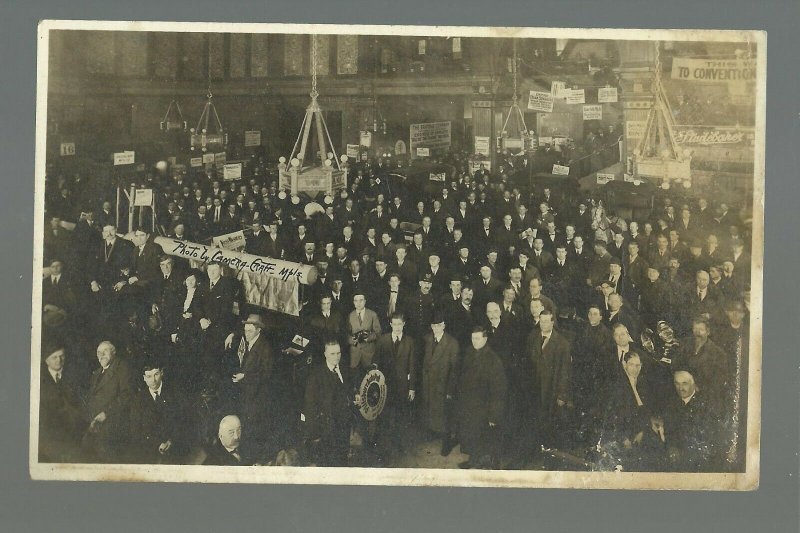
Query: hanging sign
[
  {"x": 252, "y": 138},
  {"x": 438, "y": 176},
  {"x": 607, "y": 95},
  {"x": 366, "y": 139},
  {"x": 232, "y": 172},
  {"x": 124, "y": 158},
  {"x": 560, "y": 170},
  {"x": 713, "y": 70},
  {"x": 400, "y": 147},
  {"x": 421, "y": 47},
  {"x": 456, "y": 45},
  {"x": 602, "y": 179},
  {"x": 423, "y": 152},
  {"x": 634, "y": 129},
  {"x": 592, "y": 112},
  {"x": 143, "y": 198},
  {"x": 67, "y": 149},
  {"x": 545, "y": 140},
  {"x": 576, "y": 96},
  {"x": 208, "y": 158},
  {"x": 220, "y": 157},
  {"x": 557, "y": 89},
  {"x": 230, "y": 241},
  {"x": 196, "y": 161},
  {"x": 482, "y": 145},
  {"x": 429, "y": 135},
  {"x": 352, "y": 151},
  {"x": 540, "y": 101}
]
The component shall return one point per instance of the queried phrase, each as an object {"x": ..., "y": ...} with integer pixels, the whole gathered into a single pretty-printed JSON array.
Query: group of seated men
[{"x": 505, "y": 325}]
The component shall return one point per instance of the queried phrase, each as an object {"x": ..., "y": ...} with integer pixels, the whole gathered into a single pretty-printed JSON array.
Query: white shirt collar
[
  {"x": 157, "y": 391},
  {"x": 687, "y": 400}
]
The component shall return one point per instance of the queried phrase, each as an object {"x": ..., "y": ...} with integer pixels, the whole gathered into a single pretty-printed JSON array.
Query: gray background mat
[{"x": 61, "y": 506}]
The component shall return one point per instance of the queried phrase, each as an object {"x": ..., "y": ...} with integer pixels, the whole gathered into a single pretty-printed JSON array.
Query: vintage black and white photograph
[{"x": 398, "y": 255}]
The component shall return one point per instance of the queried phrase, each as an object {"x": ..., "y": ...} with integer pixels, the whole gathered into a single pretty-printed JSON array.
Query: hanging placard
[
  {"x": 252, "y": 138},
  {"x": 366, "y": 139},
  {"x": 576, "y": 96},
  {"x": 592, "y": 112},
  {"x": 456, "y": 45},
  {"x": 602, "y": 179},
  {"x": 143, "y": 198},
  {"x": 232, "y": 172},
  {"x": 423, "y": 152},
  {"x": 196, "y": 161},
  {"x": 421, "y": 46},
  {"x": 437, "y": 176},
  {"x": 540, "y": 101},
  {"x": 400, "y": 147},
  {"x": 352, "y": 151},
  {"x": 560, "y": 170},
  {"x": 557, "y": 89},
  {"x": 219, "y": 157},
  {"x": 482, "y": 145},
  {"x": 545, "y": 140},
  {"x": 67, "y": 149},
  {"x": 208, "y": 158},
  {"x": 124, "y": 158},
  {"x": 607, "y": 95}
]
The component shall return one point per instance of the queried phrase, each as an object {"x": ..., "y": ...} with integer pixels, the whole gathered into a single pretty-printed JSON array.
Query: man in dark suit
[
  {"x": 158, "y": 423},
  {"x": 168, "y": 293},
  {"x": 57, "y": 289},
  {"x": 256, "y": 242},
  {"x": 328, "y": 322},
  {"x": 217, "y": 314},
  {"x": 396, "y": 357},
  {"x": 145, "y": 262},
  {"x": 552, "y": 370},
  {"x": 273, "y": 244},
  {"x": 112, "y": 255},
  {"x": 439, "y": 371},
  {"x": 690, "y": 430},
  {"x": 60, "y": 421},
  {"x": 252, "y": 374},
  {"x": 226, "y": 450},
  {"x": 487, "y": 289},
  {"x": 328, "y": 409},
  {"x": 107, "y": 407}
]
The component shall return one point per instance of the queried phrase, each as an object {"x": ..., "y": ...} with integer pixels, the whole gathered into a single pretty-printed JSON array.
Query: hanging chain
[
  {"x": 314, "y": 92},
  {"x": 208, "y": 68},
  {"x": 514, "y": 70},
  {"x": 657, "y": 74}
]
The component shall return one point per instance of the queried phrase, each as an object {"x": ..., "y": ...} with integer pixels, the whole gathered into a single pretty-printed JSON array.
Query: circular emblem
[{"x": 372, "y": 394}]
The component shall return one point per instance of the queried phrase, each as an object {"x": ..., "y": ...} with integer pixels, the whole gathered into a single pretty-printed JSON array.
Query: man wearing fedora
[{"x": 249, "y": 369}]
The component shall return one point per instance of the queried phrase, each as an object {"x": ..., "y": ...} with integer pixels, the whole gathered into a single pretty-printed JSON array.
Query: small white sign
[
  {"x": 220, "y": 157},
  {"x": 67, "y": 149},
  {"x": 634, "y": 129},
  {"x": 482, "y": 145},
  {"x": 592, "y": 112},
  {"x": 439, "y": 176},
  {"x": 602, "y": 178},
  {"x": 252, "y": 138},
  {"x": 540, "y": 101},
  {"x": 607, "y": 95},
  {"x": 365, "y": 138},
  {"x": 124, "y": 158},
  {"x": 561, "y": 170},
  {"x": 352, "y": 151},
  {"x": 143, "y": 198},
  {"x": 576, "y": 96},
  {"x": 423, "y": 152},
  {"x": 230, "y": 241},
  {"x": 208, "y": 158},
  {"x": 196, "y": 161},
  {"x": 232, "y": 172}
]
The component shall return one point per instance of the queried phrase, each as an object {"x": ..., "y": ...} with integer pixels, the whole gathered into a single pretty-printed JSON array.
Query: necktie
[
  {"x": 58, "y": 377},
  {"x": 157, "y": 398},
  {"x": 235, "y": 453},
  {"x": 396, "y": 344},
  {"x": 360, "y": 319}
]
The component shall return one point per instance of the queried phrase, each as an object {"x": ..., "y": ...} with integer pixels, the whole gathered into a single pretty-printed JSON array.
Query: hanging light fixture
[
  {"x": 325, "y": 175},
  {"x": 657, "y": 155},
  {"x": 173, "y": 118},
  {"x": 202, "y": 136},
  {"x": 518, "y": 137}
]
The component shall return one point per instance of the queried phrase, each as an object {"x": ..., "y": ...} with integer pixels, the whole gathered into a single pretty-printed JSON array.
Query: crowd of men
[{"x": 508, "y": 324}]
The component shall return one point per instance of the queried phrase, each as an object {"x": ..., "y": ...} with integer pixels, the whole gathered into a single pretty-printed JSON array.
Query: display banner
[
  {"x": 713, "y": 135},
  {"x": 713, "y": 70},
  {"x": 352, "y": 151},
  {"x": 540, "y": 101},
  {"x": 232, "y": 172},
  {"x": 124, "y": 158},
  {"x": 602, "y": 179},
  {"x": 482, "y": 145}
]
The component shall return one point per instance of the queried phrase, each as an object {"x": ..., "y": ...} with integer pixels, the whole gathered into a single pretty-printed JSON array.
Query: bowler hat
[{"x": 255, "y": 320}]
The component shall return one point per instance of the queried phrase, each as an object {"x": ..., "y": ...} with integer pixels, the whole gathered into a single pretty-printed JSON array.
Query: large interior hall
[{"x": 396, "y": 251}]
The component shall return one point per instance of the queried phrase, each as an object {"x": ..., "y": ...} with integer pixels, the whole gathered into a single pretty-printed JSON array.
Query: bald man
[
  {"x": 690, "y": 432},
  {"x": 225, "y": 450}
]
